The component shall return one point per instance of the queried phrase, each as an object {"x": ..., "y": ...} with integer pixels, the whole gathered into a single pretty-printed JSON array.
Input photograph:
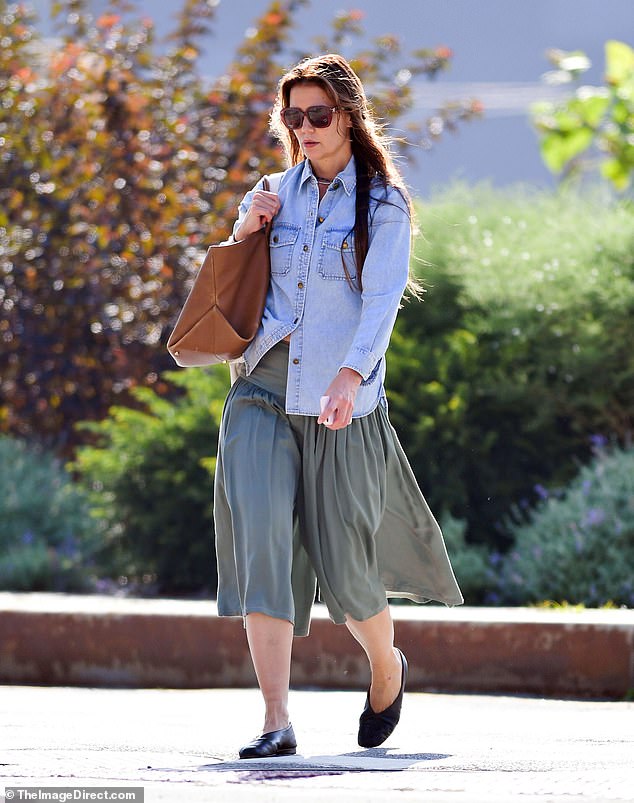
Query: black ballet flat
[
  {"x": 269, "y": 745},
  {"x": 375, "y": 728}
]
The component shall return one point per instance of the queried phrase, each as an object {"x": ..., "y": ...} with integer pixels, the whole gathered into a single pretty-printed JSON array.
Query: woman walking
[{"x": 312, "y": 485}]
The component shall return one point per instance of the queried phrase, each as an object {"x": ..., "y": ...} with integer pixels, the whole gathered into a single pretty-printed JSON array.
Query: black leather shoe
[
  {"x": 375, "y": 728},
  {"x": 269, "y": 745}
]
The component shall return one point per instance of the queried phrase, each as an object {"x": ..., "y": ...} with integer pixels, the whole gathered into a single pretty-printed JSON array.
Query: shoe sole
[{"x": 288, "y": 751}]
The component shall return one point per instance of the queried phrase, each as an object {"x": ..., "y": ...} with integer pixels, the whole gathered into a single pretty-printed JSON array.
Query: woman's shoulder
[
  {"x": 285, "y": 177},
  {"x": 387, "y": 198},
  {"x": 276, "y": 178}
]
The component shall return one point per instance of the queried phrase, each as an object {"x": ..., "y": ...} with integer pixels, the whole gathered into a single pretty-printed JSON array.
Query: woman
[{"x": 311, "y": 482}]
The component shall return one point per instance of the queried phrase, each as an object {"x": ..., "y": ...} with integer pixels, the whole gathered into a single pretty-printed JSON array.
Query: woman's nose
[{"x": 306, "y": 123}]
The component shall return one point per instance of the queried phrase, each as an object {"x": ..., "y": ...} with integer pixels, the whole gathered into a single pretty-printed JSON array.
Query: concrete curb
[{"x": 75, "y": 640}]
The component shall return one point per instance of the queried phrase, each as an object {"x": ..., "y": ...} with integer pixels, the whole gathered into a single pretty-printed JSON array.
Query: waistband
[{"x": 271, "y": 372}]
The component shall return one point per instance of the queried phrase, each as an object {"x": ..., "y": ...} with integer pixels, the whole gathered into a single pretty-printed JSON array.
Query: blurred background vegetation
[{"x": 511, "y": 385}]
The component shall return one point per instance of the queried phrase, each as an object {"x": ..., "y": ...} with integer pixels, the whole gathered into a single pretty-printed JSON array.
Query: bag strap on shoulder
[{"x": 271, "y": 182}]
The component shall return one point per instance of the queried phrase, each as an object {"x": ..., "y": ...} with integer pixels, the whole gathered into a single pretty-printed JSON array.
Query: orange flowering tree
[{"x": 119, "y": 164}]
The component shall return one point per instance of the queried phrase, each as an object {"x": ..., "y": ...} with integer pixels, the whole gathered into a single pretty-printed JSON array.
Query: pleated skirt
[{"x": 300, "y": 509}]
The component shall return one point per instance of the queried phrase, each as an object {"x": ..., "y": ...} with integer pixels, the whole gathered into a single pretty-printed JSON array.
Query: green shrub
[
  {"x": 520, "y": 350},
  {"x": 150, "y": 485},
  {"x": 470, "y": 561},
  {"x": 578, "y": 545},
  {"x": 47, "y": 539}
]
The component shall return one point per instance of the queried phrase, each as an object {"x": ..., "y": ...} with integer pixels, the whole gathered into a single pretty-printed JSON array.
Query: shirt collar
[{"x": 347, "y": 177}]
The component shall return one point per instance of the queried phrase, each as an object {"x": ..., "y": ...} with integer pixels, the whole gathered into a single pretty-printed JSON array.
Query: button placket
[{"x": 295, "y": 361}]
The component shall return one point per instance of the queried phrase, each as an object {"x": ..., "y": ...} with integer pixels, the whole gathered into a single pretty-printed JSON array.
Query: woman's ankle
[
  {"x": 389, "y": 663},
  {"x": 276, "y": 716},
  {"x": 275, "y": 723}
]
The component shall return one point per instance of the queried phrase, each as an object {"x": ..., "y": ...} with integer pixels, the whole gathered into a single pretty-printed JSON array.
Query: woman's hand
[
  {"x": 341, "y": 394},
  {"x": 264, "y": 207}
]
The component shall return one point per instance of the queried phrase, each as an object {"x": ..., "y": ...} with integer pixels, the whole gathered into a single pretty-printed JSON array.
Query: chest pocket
[
  {"x": 337, "y": 247},
  {"x": 282, "y": 244}
]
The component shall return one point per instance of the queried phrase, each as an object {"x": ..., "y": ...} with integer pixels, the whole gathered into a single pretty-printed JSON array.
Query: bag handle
[
  {"x": 273, "y": 181},
  {"x": 266, "y": 186},
  {"x": 269, "y": 186}
]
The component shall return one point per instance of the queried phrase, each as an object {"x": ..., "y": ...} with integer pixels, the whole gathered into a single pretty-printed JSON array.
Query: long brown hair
[{"x": 370, "y": 147}]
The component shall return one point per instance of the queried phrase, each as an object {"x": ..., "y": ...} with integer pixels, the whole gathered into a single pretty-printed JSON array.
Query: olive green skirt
[{"x": 299, "y": 506}]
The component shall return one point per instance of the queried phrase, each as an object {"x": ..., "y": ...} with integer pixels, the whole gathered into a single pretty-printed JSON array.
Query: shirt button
[
  {"x": 296, "y": 320},
  {"x": 295, "y": 361},
  {"x": 300, "y": 285},
  {"x": 305, "y": 248},
  {"x": 276, "y": 239},
  {"x": 321, "y": 219},
  {"x": 345, "y": 244}
]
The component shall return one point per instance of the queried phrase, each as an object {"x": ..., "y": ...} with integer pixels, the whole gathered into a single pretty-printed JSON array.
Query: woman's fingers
[
  {"x": 265, "y": 205},
  {"x": 341, "y": 394},
  {"x": 336, "y": 414},
  {"x": 343, "y": 414}
]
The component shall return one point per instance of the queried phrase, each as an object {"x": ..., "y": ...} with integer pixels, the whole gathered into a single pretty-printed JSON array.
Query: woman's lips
[{"x": 309, "y": 143}]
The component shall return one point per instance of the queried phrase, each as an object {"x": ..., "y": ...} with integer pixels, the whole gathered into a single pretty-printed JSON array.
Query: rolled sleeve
[{"x": 361, "y": 361}]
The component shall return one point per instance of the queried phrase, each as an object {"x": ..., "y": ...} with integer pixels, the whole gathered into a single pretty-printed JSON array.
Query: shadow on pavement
[{"x": 374, "y": 760}]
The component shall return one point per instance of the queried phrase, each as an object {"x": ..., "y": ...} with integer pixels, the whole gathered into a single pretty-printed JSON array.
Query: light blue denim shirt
[{"x": 331, "y": 324}]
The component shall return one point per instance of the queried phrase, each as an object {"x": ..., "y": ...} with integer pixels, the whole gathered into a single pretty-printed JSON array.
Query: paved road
[{"x": 180, "y": 745}]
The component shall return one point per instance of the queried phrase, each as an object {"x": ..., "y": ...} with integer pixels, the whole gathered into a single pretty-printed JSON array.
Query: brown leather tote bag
[{"x": 224, "y": 308}]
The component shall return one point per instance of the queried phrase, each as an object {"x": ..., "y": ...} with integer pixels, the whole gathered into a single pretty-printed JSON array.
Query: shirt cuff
[{"x": 362, "y": 361}]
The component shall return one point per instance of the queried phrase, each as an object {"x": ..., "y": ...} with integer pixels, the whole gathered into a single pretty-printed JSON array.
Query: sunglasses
[{"x": 318, "y": 116}]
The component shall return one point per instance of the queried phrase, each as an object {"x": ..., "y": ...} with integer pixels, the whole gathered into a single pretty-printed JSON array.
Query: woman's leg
[
  {"x": 376, "y": 636},
  {"x": 270, "y": 642}
]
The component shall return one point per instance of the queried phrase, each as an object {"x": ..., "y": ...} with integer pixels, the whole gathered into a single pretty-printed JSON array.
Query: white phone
[{"x": 322, "y": 403}]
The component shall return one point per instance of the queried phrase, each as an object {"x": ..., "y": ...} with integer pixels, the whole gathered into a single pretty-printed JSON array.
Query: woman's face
[{"x": 330, "y": 146}]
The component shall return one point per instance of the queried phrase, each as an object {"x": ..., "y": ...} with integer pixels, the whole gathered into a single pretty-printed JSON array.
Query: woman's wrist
[
  {"x": 240, "y": 234},
  {"x": 351, "y": 374}
]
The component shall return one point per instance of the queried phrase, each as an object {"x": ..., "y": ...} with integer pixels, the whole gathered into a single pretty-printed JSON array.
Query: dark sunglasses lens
[
  {"x": 319, "y": 116},
  {"x": 292, "y": 118}
]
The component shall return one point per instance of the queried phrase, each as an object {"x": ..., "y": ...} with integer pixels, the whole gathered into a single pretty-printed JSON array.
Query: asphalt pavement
[{"x": 181, "y": 745}]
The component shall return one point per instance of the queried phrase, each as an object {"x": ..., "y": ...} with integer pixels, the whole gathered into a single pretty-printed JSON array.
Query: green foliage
[
  {"x": 47, "y": 539},
  {"x": 120, "y": 164},
  {"x": 150, "y": 484},
  {"x": 520, "y": 350},
  {"x": 578, "y": 545},
  {"x": 594, "y": 116}
]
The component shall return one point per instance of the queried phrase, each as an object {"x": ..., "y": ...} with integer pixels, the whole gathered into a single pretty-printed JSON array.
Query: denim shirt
[{"x": 332, "y": 325}]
